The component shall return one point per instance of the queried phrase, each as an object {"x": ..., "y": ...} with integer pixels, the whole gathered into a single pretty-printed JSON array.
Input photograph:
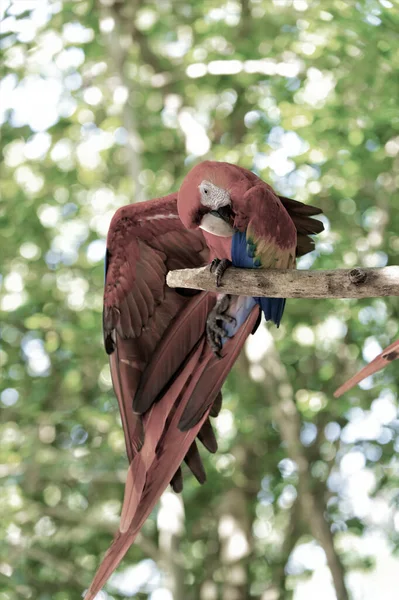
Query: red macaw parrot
[
  {"x": 170, "y": 351},
  {"x": 379, "y": 362}
]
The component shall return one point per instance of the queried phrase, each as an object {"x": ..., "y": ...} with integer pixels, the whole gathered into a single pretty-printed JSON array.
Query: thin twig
[{"x": 279, "y": 283}]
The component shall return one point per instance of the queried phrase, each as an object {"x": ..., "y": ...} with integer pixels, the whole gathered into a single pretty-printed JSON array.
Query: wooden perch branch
[{"x": 278, "y": 283}]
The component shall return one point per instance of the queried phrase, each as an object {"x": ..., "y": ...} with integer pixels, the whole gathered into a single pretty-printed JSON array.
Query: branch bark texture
[{"x": 292, "y": 283}]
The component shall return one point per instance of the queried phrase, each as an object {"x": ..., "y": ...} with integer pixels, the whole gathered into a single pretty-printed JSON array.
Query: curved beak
[
  {"x": 224, "y": 212},
  {"x": 218, "y": 222}
]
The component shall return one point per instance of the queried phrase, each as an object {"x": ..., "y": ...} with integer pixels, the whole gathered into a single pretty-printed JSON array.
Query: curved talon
[
  {"x": 214, "y": 264},
  {"x": 220, "y": 331},
  {"x": 220, "y": 269},
  {"x": 223, "y": 305},
  {"x": 214, "y": 341},
  {"x": 228, "y": 319},
  {"x": 214, "y": 326},
  {"x": 212, "y": 335}
]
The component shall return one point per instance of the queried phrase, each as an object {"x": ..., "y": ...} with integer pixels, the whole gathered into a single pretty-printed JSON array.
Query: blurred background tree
[{"x": 106, "y": 102}]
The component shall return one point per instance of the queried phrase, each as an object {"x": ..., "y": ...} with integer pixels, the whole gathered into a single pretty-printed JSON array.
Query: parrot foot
[
  {"x": 219, "y": 267},
  {"x": 214, "y": 264},
  {"x": 214, "y": 324}
]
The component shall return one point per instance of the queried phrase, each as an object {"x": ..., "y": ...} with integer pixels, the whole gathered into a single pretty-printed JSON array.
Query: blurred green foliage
[{"x": 107, "y": 102}]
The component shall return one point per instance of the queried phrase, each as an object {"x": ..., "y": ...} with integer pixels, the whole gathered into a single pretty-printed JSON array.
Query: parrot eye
[{"x": 205, "y": 189}]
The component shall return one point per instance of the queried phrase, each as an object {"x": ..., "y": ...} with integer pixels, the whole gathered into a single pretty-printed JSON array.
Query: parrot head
[{"x": 204, "y": 199}]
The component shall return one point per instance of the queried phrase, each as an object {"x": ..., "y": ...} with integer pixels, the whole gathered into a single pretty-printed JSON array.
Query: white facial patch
[{"x": 213, "y": 196}]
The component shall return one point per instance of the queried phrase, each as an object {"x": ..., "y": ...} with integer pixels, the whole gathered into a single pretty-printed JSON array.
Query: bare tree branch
[
  {"x": 66, "y": 569},
  {"x": 290, "y": 283},
  {"x": 119, "y": 53},
  {"x": 292, "y": 534},
  {"x": 312, "y": 503}
]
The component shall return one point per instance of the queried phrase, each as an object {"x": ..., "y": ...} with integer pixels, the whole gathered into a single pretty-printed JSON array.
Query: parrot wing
[
  {"x": 266, "y": 238},
  {"x": 381, "y": 361},
  {"x": 270, "y": 233},
  {"x": 164, "y": 373},
  {"x": 305, "y": 226},
  {"x": 299, "y": 212},
  {"x": 142, "y": 334}
]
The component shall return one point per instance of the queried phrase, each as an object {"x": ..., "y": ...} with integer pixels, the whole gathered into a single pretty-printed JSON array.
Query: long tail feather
[
  {"x": 131, "y": 421},
  {"x": 383, "y": 359},
  {"x": 145, "y": 479},
  {"x": 273, "y": 308},
  {"x": 210, "y": 382},
  {"x": 183, "y": 333},
  {"x": 111, "y": 560}
]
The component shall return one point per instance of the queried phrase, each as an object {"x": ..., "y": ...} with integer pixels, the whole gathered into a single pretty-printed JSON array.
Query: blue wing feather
[{"x": 243, "y": 256}]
